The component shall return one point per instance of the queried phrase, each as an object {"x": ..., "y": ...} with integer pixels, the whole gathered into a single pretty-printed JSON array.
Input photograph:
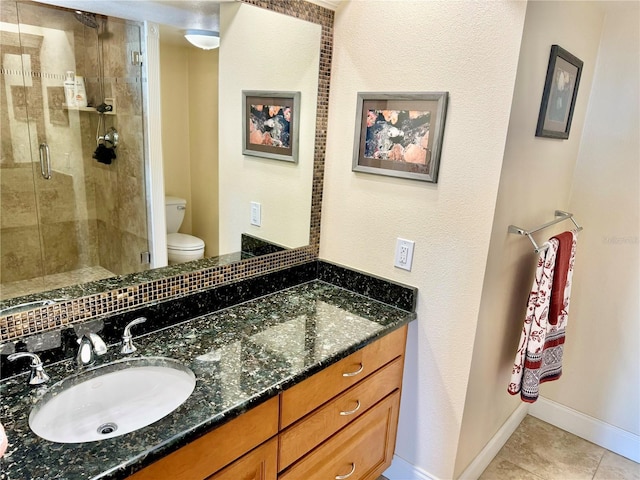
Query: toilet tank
[{"x": 174, "y": 209}]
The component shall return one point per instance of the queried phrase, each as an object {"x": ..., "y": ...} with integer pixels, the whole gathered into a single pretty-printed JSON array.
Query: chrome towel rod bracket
[{"x": 560, "y": 217}]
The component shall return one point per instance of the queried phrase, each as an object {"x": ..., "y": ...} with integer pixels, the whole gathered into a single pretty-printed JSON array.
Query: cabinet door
[
  {"x": 361, "y": 451},
  {"x": 218, "y": 448},
  {"x": 259, "y": 464},
  {"x": 306, "y": 396},
  {"x": 315, "y": 428}
]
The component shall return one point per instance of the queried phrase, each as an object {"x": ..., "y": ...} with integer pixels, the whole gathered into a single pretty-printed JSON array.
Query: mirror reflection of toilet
[{"x": 180, "y": 246}]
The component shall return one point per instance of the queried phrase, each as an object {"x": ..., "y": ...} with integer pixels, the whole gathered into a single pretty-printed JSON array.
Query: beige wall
[
  {"x": 176, "y": 154},
  {"x": 203, "y": 145},
  {"x": 425, "y": 46},
  {"x": 189, "y": 89},
  {"x": 288, "y": 63},
  {"x": 536, "y": 180},
  {"x": 602, "y": 371}
]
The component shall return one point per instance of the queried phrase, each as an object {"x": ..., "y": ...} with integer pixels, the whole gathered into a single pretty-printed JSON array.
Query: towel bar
[{"x": 561, "y": 217}]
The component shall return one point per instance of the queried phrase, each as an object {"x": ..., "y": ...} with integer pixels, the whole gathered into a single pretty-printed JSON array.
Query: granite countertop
[{"x": 241, "y": 356}]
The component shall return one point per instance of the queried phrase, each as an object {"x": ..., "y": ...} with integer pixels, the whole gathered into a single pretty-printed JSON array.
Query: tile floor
[
  {"x": 540, "y": 451},
  {"x": 50, "y": 282}
]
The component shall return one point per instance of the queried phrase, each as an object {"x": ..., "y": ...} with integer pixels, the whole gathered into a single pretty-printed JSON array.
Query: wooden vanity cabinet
[
  {"x": 362, "y": 450},
  {"x": 342, "y": 421},
  {"x": 259, "y": 464},
  {"x": 210, "y": 453},
  {"x": 339, "y": 423}
]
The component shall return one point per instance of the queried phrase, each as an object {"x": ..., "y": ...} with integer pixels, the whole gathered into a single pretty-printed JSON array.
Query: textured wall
[
  {"x": 535, "y": 181},
  {"x": 602, "y": 376},
  {"x": 425, "y": 46}
]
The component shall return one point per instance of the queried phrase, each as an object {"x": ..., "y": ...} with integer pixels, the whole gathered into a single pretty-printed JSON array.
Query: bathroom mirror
[{"x": 253, "y": 173}]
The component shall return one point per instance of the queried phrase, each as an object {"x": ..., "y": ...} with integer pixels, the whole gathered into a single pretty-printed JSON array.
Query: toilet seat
[{"x": 184, "y": 243}]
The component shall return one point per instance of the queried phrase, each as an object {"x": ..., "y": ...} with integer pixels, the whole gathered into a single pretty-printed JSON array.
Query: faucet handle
[
  {"x": 99, "y": 347},
  {"x": 127, "y": 338},
  {"x": 38, "y": 375},
  {"x": 86, "y": 354}
]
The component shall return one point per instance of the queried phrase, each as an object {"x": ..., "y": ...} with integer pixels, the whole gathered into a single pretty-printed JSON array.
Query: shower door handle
[{"x": 45, "y": 161}]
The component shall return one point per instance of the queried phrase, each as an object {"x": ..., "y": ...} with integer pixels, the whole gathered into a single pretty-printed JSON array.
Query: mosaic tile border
[
  {"x": 120, "y": 300},
  {"x": 133, "y": 297}
]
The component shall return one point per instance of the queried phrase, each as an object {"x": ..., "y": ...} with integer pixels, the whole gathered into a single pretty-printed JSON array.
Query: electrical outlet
[
  {"x": 256, "y": 214},
  {"x": 404, "y": 253}
]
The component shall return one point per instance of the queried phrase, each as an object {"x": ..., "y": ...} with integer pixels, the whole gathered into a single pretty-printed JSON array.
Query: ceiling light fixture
[{"x": 204, "y": 39}]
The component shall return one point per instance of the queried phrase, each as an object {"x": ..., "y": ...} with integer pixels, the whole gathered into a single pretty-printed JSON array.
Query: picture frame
[
  {"x": 559, "y": 95},
  {"x": 400, "y": 134},
  {"x": 271, "y": 124}
]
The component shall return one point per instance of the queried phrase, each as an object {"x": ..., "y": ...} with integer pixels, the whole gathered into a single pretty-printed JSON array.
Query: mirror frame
[{"x": 133, "y": 291}]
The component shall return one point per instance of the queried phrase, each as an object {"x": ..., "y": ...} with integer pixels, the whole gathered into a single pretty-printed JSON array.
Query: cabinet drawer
[
  {"x": 218, "y": 448},
  {"x": 321, "y": 387},
  {"x": 315, "y": 428},
  {"x": 364, "y": 448},
  {"x": 259, "y": 464}
]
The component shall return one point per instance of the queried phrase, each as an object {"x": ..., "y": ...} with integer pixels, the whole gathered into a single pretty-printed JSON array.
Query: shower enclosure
[{"x": 65, "y": 217}]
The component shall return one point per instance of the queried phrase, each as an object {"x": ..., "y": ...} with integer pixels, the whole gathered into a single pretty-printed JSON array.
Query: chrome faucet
[
  {"x": 127, "y": 338},
  {"x": 38, "y": 375},
  {"x": 23, "y": 307},
  {"x": 90, "y": 346}
]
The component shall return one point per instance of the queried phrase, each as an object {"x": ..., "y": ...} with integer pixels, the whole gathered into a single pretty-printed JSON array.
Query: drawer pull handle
[
  {"x": 351, "y": 412},
  {"x": 353, "y": 374},
  {"x": 342, "y": 477}
]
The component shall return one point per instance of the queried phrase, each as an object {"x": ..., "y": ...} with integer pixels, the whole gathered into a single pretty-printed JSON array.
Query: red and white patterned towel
[{"x": 539, "y": 355}]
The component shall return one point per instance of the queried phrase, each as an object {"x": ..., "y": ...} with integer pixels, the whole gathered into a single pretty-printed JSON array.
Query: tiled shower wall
[
  {"x": 118, "y": 189},
  {"x": 77, "y": 218}
]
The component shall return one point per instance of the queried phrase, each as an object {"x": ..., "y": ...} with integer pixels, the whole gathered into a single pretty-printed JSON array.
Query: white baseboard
[
  {"x": 484, "y": 458},
  {"x": 402, "y": 470},
  {"x": 596, "y": 431}
]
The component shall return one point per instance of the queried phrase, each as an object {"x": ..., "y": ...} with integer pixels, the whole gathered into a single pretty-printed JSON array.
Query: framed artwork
[
  {"x": 400, "y": 134},
  {"x": 559, "y": 95},
  {"x": 270, "y": 124}
]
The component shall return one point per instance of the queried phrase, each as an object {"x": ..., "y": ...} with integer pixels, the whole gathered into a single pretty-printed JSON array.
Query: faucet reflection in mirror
[{"x": 134, "y": 290}]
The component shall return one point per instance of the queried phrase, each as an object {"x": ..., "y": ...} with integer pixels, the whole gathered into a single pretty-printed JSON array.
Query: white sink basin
[{"x": 111, "y": 400}]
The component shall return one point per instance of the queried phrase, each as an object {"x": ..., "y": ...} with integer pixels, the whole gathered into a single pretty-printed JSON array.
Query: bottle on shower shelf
[
  {"x": 80, "y": 92},
  {"x": 70, "y": 89}
]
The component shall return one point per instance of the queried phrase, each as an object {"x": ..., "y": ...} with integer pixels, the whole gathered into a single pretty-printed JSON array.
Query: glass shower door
[
  {"x": 21, "y": 263},
  {"x": 87, "y": 219}
]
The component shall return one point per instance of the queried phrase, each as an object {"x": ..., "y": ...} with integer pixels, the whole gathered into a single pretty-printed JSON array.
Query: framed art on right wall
[
  {"x": 559, "y": 95},
  {"x": 400, "y": 134}
]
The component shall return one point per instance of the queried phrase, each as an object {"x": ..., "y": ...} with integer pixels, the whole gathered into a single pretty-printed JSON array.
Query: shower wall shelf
[{"x": 86, "y": 109}]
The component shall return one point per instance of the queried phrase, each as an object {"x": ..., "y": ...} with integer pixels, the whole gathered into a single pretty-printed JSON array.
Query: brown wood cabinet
[
  {"x": 259, "y": 464},
  {"x": 338, "y": 424},
  {"x": 304, "y": 397},
  {"x": 363, "y": 450},
  {"x": 218, "y": 448},
  {"x": 315, "y": 428}
]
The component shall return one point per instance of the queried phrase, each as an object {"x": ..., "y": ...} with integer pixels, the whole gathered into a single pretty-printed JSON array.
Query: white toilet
[{"x": 180, "y": 246}]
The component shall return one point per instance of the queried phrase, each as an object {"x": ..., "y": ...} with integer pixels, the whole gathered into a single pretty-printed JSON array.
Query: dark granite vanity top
[{"x": 241, "y": 356}]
